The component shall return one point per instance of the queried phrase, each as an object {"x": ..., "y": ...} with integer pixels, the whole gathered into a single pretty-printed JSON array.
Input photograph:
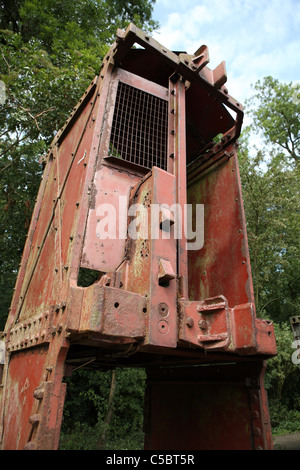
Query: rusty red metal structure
[{"x": 155, "y": 129}]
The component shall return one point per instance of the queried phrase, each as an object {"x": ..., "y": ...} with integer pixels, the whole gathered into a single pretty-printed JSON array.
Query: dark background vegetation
[{"x": 49, "y": 52}]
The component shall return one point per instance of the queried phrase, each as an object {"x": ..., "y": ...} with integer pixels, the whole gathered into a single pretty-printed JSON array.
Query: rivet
[
  {"x": 202, "y": 324},
  {"x": 257, "y": 431},
  {"x": 254, "y": 397},
  {"x": 34, "y": 419},
  {"x": 39, "y": 394}
]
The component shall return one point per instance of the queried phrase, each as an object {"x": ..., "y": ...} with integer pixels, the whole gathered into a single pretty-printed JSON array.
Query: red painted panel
[
  {"x": 199, "y": 416},
  {"x": 25, "y": 374},
  {"x": 222, "y": 266},
  {"x": 110, "y": 201},
  {"x": 44, "y": 281},
  {"x": 210, "y": 407}
]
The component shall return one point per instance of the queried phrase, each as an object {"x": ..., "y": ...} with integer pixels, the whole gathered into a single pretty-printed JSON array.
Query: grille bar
[{"x": 140, "y": 127}]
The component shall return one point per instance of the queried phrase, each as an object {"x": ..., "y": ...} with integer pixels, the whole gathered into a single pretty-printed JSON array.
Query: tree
[
  {"x": 104, "y": 409},
  {"x": 270, "y": 177},
  {"x": 49, "y": 52},
  {"x": 270, "y": 181},
  {"x": 282, "y": 381},
  {"x": 271, "y": 199},
  {"x": 276, "y": 112}
]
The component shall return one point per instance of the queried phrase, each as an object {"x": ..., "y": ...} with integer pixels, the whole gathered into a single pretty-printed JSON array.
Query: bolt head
[
  {"x": 189, "y": 322},
  {"x": 202, "y": 324}
]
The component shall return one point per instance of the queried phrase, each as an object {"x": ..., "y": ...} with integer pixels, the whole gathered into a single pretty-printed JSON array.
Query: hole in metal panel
[
  {"x": 87, "y": 277},
  {"x": 140, "y": 128}
]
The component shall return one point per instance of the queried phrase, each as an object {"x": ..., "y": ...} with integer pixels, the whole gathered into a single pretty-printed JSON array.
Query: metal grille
[{"x": 139, "y": 129}]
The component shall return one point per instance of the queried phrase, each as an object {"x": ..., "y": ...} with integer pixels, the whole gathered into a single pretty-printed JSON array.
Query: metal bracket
[{"x": 206, "y": 323}]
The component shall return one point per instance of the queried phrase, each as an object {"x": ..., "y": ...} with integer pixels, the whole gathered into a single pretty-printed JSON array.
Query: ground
[{"x": 287, "y": 442}]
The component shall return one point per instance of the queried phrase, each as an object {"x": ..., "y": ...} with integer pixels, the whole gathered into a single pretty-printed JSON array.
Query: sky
[{"x": 255, "y": 38}]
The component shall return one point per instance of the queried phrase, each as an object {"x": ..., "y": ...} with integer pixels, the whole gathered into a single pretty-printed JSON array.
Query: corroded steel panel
[
  {"x": 220, "y": 407},
  {"x": 223, "y": 267},
  {"x": 106, "y": 232},
  {"x": 24, "y": 377}
]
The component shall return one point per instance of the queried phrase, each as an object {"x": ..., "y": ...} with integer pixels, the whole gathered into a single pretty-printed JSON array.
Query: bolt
[
  {"x": 202, "y": 324},
  {"x": 34, "y": 419},
  {"x": 39, "y": 394},
  {"x": 254, "y": 398},
  {"x": 189, "y": 322},
  {"x": 257, "y": 431}
]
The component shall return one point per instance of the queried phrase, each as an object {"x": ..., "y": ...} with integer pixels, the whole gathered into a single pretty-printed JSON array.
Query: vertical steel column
[{"x": 177, "y": 151}]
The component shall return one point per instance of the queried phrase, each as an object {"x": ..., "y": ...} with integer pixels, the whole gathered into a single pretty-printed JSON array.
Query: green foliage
[
  {"x": 271, "y": 193},
  {"x": 86, "y": 408},
  {"x": 281, "y": 367},
  {"x": 276, "y": 111},
  {"x": 283, "y": 420},
  {"x": 270, "y": 183}
]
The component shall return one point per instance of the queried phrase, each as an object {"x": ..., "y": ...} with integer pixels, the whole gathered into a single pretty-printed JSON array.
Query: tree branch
[{"x": 101, "y": 442}]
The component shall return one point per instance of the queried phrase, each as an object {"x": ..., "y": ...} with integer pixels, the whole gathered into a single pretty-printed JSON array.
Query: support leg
[
  {"x": 207, "y": 407},
  {"x": 32, "y": 416}
]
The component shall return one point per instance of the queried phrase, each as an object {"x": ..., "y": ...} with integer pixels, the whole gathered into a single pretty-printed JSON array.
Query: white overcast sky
[{"x": 256, "y": 38}]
